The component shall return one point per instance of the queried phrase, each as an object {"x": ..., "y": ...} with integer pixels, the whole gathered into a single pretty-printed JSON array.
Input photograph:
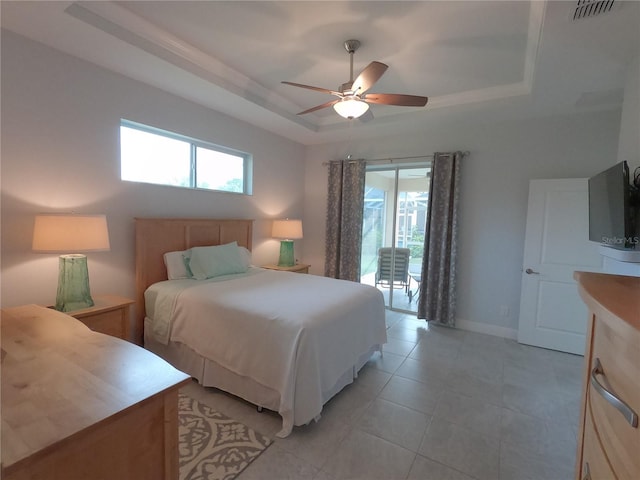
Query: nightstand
[
  {"x": 109, "y": 315},
  {"x": 298, "y": 268}
]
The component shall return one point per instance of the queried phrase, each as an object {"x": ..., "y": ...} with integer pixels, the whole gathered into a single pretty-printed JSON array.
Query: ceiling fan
[{"x": 353, "y": 99}]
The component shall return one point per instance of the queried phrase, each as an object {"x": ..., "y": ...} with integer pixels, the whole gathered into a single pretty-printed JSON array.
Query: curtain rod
[
  {"x": 390, "y": 159},
  {"x": 393, "y": 159}
]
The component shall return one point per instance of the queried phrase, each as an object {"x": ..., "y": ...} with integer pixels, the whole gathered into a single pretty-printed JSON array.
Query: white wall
[
  {"x": 495, "y": 179},
  {"x": 629, "y": 141},
  {"x": 60, "y": 152},
  {"x": 629, "y": 150}
]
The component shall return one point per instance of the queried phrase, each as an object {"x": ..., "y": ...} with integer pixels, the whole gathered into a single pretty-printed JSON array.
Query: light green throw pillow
[{"x": 214, "y": 261}]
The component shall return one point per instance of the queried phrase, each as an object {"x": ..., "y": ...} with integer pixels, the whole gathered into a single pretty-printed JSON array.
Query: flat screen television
[{"x": 611, "y": 210}]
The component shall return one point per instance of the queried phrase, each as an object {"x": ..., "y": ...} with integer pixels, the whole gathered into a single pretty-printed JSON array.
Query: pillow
[
  {"x": 177, "y": 265},
  {"x": 245, "y": 254},
  {"x": 209, "y": 262}
]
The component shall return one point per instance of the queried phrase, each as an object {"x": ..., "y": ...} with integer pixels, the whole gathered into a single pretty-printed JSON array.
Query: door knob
[{"x": 528, "y": 271}]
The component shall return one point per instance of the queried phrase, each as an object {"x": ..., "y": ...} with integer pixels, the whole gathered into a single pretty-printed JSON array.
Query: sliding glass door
[{"x": 395, "y": 212}]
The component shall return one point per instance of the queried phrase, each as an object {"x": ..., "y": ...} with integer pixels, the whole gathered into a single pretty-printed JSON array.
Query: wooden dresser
[
  {"x": 609, "y": 437},
  {"x": 78, "y": 404}
]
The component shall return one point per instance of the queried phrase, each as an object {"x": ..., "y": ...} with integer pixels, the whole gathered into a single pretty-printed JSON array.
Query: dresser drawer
[
  {"x": 617, "y": 351},
  {"x": 595, "y": 465},
  {"x": 110, "y": 323},
  {"x": 109, "y": 315}
]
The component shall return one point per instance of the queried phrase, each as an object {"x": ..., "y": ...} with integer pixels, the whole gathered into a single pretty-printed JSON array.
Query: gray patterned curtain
[
  {"x": 345, "y": 204},
  {"x": 438, "y": 287}
]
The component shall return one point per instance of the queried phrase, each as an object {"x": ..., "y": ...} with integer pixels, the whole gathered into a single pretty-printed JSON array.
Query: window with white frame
[{"x": 151, "y": 155}]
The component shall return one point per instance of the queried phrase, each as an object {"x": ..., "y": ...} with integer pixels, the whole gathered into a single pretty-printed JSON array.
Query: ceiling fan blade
[
  {"x": 317, "y": 89},
  {"x": 370, "y": 75},
  {"x": 318, "y": 107},
  {"x": 396, "y": 99}
]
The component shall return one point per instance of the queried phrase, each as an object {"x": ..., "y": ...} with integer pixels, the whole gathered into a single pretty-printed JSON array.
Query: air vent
[{"x": 591, "y": 8}]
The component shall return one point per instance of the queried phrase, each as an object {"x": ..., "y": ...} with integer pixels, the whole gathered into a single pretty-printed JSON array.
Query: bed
[{"x": 284, "y": 341}]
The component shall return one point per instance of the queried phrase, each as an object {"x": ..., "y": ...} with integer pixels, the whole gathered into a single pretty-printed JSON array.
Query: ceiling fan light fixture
[
  {"x": 351, "y": 107},
  {"x": 350, "y": 103}
]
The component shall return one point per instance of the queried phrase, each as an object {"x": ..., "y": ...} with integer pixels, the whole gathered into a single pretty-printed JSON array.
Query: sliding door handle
[{"x": 610, "y": 396}]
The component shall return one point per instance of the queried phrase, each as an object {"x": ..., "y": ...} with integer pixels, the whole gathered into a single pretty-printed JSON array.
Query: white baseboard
[{"x": 487, "y": 329}]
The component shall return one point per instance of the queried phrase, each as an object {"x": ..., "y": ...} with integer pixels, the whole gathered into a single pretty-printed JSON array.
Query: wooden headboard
[{"x": 156, "y": 236}]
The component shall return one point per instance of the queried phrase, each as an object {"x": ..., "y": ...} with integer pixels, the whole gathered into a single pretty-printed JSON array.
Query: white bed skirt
[{"x": 210, "y": 374}]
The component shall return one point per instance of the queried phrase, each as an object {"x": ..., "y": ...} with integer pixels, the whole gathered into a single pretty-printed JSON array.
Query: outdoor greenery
[{"x": 417, "y": 248}]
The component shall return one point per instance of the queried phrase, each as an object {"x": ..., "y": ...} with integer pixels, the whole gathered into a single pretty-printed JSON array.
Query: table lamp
[
  {"x": 71, "y": 233},
  {"x": 287, "y": 230}
]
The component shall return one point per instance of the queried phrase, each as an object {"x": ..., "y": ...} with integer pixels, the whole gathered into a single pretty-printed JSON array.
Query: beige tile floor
[{"x": 440, "y": 404}]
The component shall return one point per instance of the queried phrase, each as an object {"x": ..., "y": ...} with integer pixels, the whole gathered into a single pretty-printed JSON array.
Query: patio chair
[{"x": 400, "y": 277}]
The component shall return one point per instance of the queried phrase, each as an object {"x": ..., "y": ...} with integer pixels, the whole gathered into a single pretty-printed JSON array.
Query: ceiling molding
[
  {"x": 129, "y": 27},
  {"x": 534, "y": 39},
  {"x": 524, "y": 87},
  {"x": 529, "y": 59},
  {"x": 138, "y": 32}
]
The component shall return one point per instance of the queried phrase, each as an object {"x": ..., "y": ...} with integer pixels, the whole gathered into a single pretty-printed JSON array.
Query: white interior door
[{"x": 552, "y": 315}]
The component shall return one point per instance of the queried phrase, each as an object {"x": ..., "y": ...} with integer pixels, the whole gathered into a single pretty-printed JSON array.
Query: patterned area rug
[{"x": 213, "y": 446}]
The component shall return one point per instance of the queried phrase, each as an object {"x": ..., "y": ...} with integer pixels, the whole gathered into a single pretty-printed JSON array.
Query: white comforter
[{"x": 294, "y": 333}]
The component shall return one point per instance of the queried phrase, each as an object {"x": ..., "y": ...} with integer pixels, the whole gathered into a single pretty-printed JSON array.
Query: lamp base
[
  {"x": 286, "y": 254},
  {"x": 73, "y": 284}
]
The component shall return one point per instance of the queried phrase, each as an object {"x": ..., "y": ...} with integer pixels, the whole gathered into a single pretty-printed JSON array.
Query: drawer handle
[
  {"x": 587, "y": 473},
  {"x": 610, "y": 396}
]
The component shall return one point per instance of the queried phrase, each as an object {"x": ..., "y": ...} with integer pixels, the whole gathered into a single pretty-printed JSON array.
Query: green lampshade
[{"x": 73, "y": 284}]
